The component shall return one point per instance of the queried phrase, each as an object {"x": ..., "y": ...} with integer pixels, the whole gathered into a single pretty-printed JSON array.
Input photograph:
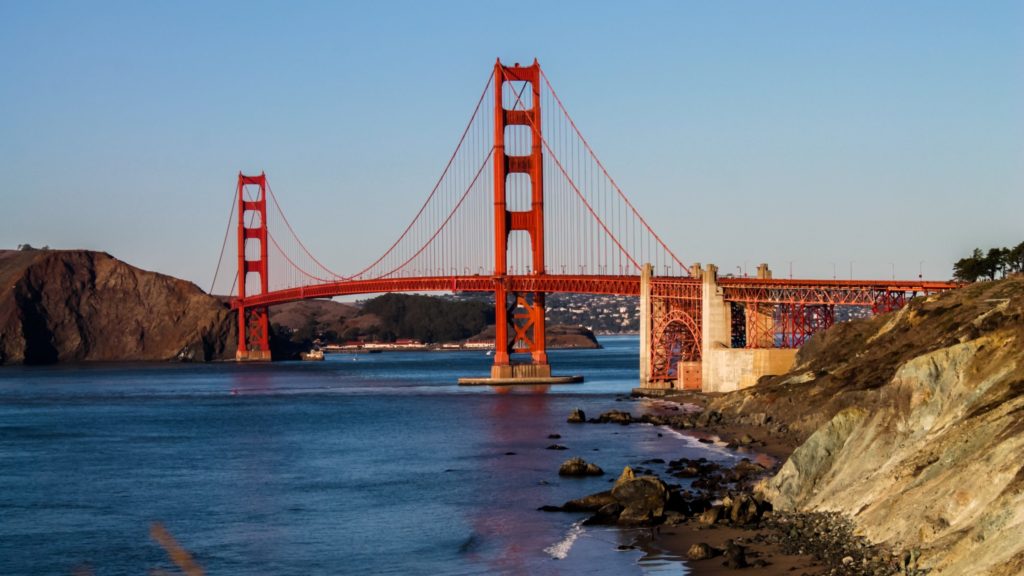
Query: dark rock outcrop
[
  {"x": 643, "y": 500},
  {"x": 577, "y": 466},
  {"x": 577, "y": 416},
  {"x": 591, "y": 503},
  {"x": 83, "y": 306},
  {"x": 735, "y": 555},
  {"x": 615, "y": 417}
]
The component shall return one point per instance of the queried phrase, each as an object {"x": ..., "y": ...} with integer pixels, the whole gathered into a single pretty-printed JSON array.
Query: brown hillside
[{"x": 78, "y": 305}]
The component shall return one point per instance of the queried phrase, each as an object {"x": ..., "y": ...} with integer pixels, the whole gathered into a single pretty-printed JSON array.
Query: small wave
[
  {"x": 717, "y": 447},
  {"x": 559, "y": 550}
]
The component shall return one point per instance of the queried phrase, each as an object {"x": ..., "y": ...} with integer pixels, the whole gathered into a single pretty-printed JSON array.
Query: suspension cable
[
  {"x": 609, "y": 176},
  {"x": 573, "y": 184},
  {"x": 224, "y": 245},
  {"x": 437, "y": 185}
]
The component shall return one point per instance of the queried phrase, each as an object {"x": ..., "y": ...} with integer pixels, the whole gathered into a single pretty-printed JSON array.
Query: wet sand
[{"x": 765, "y": 558}]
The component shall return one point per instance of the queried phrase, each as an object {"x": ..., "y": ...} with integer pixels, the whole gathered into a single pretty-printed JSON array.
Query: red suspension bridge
[{"x": 524, "y": 208}]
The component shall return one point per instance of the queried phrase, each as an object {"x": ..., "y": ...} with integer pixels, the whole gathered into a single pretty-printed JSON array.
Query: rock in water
[
  {"x": 616, "y": 417},
  {"x": 626, "y": 476},
  {"x": 577, "y": 416},
  {"x": 577, "y": 466},
  {"x": 702, "y": 551},
  {"x": 607, "y": 514},
  {"x": 643, "y": 500}
]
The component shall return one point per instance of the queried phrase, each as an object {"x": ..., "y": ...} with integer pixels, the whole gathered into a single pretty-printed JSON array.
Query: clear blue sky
[{"x": 813, "y": 132}]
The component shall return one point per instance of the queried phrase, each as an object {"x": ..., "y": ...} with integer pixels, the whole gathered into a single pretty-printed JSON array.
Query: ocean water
[{"x": 361, "y": 464}]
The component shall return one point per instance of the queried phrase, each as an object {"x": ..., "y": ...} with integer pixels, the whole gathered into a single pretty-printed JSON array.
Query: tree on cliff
[
  {"x": 1015, "y": 259},
  {"x": 997, "y": 262},
  {"x": 969, "y": 269}
]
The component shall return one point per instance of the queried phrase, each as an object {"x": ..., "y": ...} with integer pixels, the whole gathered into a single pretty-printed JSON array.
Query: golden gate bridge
[{"x": 523, "y": 208}]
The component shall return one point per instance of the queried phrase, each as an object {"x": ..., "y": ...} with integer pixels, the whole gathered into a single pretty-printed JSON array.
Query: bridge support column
[
  {"x": 716, "y": 324},
  {"x": 253, "y": 321},
  {"x": 645, "y": 325},
  {"x": 726, "y": 369},
  {"x": 253, "y": 334},
  {"x": 525, "y": 312}
]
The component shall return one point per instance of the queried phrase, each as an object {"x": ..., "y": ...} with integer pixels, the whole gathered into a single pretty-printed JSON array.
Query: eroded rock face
[
  {"x": 77, "y": 306},
  {"x": 925, "y": 453}
]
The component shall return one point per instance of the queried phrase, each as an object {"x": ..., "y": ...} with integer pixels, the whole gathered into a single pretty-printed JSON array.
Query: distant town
[{"x": 600, "y": 314}]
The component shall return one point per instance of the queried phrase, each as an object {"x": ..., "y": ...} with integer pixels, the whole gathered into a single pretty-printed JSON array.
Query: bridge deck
[{"x": 779, "y": 291}]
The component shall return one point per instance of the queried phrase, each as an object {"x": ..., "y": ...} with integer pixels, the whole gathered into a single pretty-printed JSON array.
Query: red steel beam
[
  {"x": 830, "y": 292},
  {"x": 547, "y": 283},
  {"x": 841, "y": 292}
]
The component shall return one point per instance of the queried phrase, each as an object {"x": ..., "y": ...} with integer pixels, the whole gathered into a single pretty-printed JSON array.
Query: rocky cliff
[
  {"x": 77, "y": 305},
  {"x": 912, "y": 425}
]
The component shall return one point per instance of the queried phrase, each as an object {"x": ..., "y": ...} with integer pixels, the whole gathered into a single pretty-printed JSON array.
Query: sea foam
[{"x": 559, "y": 550}]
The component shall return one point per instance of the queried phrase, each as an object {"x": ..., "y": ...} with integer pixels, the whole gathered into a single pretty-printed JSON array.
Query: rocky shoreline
[{"x": 714, "y": 515}]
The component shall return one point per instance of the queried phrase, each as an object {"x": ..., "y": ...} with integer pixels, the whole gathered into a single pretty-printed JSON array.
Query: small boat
[
  {"x": 490, "y": 353},
  {"x": 314, "y": 354}
]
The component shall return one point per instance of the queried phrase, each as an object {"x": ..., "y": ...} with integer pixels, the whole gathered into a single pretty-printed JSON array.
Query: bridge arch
[{"x": 676, "y": 338}]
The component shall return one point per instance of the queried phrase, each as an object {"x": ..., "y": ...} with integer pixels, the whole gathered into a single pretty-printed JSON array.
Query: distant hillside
[
  {"x": 430, "y": 319},
  {"x": 79, "y": 305},
  {"x": 558, "y": 336}
]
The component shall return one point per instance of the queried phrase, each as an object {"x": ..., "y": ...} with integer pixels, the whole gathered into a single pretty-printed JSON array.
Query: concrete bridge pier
[
  {"x": 726, "y": 369},
  {"x": 721, "y": 368},
  {"x": 645, "y": 324}
]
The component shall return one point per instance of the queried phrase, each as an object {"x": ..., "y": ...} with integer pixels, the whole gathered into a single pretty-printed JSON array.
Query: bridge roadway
[{"x": 767, "y": 291}]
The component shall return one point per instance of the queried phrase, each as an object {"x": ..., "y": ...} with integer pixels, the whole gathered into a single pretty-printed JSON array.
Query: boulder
[
  {"x": 744, "y": 509},
  {"x": 577, "y": 416},
  {"x": 673, "y": 518},
  {"x": 616, "y": 417},
  {"x": 577, "y": 466},
  {"x": 643, "y": 500},
  {"x": 745, "y": 470},
  {"x": 702, "y": 551},
  {"x": 710, "y": 516},
  {"x": 735, "y": 555}
]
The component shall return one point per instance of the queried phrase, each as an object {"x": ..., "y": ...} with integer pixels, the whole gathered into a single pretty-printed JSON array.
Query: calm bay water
[{"x": 370, "y": 464}]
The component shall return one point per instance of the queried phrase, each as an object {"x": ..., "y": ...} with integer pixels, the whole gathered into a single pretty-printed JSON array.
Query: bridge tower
[
  {"x": 253, "y": 321},
  {"x": 523, "y": 312}
]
